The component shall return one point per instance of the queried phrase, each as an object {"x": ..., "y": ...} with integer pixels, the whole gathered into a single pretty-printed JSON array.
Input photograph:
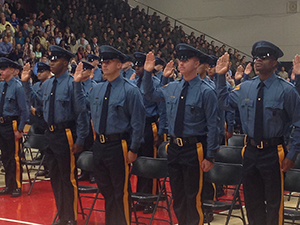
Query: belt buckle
[
  {"x": 261, "y": 145},
  {"x": 1, "y": 119},
  {"x": 51, "y": 128},
  {"x": 102, "y": 138},
  {"x": 179, "y": 142}
]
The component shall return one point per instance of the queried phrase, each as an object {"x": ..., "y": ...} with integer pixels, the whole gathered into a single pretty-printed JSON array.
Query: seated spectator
[
  {"x": 3, "y": 25},
  {"x": 43, "y": 27},
  {"x": 82, "y": 41},
  {"x": 17, "y": 54},
  {"x": 20, "y": 39},
  {"x": 88, "y": 50},
  {"x": 38, "y": 51},
  {"x": 26, "y": 52},
  {"x": 5, "y": 47},
  {"x": 7, "y": 29},
  {"x": 27, "y": 40},
  {"x": 283, "y": 73},
  {"x": 74, "y": 46},
  {"x": 30, "y": 26},
  {"x": 14, "y": 22},
  {"x": 59, "y": 37},
  {"x": 25, "y": 31},
  {"x": 7, "y": 11},
  {"x": 80, "y": 55},
  {"x": 10, "y": 38},
  {"x": 20, "y": 12},
  {"x": 35, "y": 20}
]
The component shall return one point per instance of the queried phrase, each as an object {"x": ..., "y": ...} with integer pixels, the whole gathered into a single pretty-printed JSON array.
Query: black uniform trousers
[
  {"x": 263, "y": 184},
  {"x": 112, "y": 177},
  {"x": 10, "y": 150},
  {"x": 63, "y": 172},
  {"x": 145, "y": 185},
  {"x": 186, "y": 179}
]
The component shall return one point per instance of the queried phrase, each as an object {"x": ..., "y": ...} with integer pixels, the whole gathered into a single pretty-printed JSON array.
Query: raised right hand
[
  {"x": 150, "y": 62},
  {"x": 248, "y": 68},
  {"x": 169, "y": 69},
  {"x": 25, "y": 75},
  {"x": 223, "y": 64},
  {"x": 78, "y": 72},
  {"x": 239, "y": 72}
]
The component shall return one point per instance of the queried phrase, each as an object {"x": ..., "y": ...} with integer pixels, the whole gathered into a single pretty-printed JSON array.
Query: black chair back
[
  {"x": 85, "y": 161},
  {"x": 225, "y": 173},
  {"x": 37, "y": 141},
  {"x": 229, "y": 154},
  {"x": 150, "y": 167},
  {"x": 292, "y": 180},
  {"x": 236, "y": 140},
  {"x": 162, "y": 153}
]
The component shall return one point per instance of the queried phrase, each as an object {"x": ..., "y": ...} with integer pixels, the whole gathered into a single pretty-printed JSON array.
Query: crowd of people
[{"x": 26, "y": 37}]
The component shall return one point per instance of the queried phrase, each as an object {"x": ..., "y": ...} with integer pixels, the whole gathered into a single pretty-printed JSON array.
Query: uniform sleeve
[
  {"x": 230, "y": 115},
  {"x": 227, "y": 100},
  {"x": 162, "y": 117},
  {"x": 297, "y": 83},
  {"x": 155, "y": 94},
  {"x": 23, "y": 107},
  {"x": 137, "y": 117},
  {"x": 210, "y": 109},
  {"x": 292, "y": 107},
  {"x": 30, "y": 93},
  {"x": 81, "y": 101}
]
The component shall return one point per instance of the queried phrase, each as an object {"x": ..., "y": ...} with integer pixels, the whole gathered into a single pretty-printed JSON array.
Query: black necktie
[
  {"x": 178, "y": 128},
  {"x": 3, "y": 99},
  {"x": 259, "y": 114},
  {"x": 139, "y": 82},
  {"x": 103, "y": 119},
  {"x": 124, "y": 74},
  {"x": 51, "y": 105}
]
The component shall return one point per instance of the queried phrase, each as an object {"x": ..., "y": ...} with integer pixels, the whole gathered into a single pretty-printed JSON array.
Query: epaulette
[
  {"x": 128, "y": 82},
  {"x": 237, "y": 87},
  {"x": 284, "y": 80}
]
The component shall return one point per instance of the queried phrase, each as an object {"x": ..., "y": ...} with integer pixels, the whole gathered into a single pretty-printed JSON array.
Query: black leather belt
[
  {"x": 272, "y": 142},
  {"x": 62, "y": 125},
  {"x": 151, "y": 119},
  {"x": 111, "y": 137},
  {"x": 187, "y": 140},
  {"x": 7, "y": 119}
]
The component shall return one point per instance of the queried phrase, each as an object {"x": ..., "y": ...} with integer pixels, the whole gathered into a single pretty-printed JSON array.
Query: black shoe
[
  {"x": 16, "y": 193},
  {"x": 47, "y": 175},
  {"x": 59, "y": 222},
  {"x": 71, "y": 222},
  {"x": 92, "y": 179},
  {"x": 148, "y": 209},
  {"x": 209, "y": 218},
  {"x": 5, "y": 191}
]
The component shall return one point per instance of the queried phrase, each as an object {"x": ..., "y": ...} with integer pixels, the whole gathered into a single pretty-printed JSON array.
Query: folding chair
[
  {"x": 236, "y": 140},
  {"x": 229, "y": 154},
  {"x": 226, "y": 174},
  {"x": 85, "y": 162},
  {"x": 292, "y": 184},
  {"x": 34, "y": 141},
  {"x": 151, "y": 168},
  {"x": 162, "y": 153}
]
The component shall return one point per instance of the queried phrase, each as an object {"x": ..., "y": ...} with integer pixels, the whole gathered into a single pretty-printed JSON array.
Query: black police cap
[
  {"x": 108, "y": 52},
  {"x": 263, "y": 48},
  {"x": 92, "y": 57},
  {"x": 204, "y": 58},
  {"x": 129, "y": 59},
  {"x": 159, "y": 61},
  {"x": 73, "y": 68},
  {"x": 213, "y": 60},
  {"x": 59, "y": 52},
  {"x": 5, "y": 63},
  {"x": 43, "y": 67},
  {"x": 87, "y": 66},
  {"x": 140, "y": 58},
  {"x": 185, "y": 51}
]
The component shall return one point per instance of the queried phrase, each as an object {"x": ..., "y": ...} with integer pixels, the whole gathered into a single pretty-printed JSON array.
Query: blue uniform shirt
[
  {"x": 87, "y": 86},
  {"x": 98, "y": 75},
  {"x": 200, "y": 117},
  {"x": 281, "y": 107},
  {"x": 35, "y": 102},
  {"x": 128, "y": 73},
  {"x": 126, "y": 112},
  {"x": 64, "y": 104},
  {"x": 15, "y": 103}
]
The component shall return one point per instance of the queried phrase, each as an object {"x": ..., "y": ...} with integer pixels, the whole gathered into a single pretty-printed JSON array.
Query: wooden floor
[{"x": 39, "y": 207}]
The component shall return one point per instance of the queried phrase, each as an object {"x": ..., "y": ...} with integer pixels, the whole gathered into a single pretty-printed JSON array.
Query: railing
[{"x": 150, "y": 10}]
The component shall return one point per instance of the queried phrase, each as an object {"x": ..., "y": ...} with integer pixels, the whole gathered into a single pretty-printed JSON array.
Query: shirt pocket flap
[
  {"x": 274, "y": 104},
  {"x": 247, "y": 103}
]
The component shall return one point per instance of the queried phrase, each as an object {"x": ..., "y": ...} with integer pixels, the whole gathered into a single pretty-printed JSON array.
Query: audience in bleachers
[{"x": 83, "y": 26}]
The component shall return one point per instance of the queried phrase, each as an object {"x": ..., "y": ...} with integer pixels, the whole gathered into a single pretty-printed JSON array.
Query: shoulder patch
[{"x": 237, "y": 88}]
